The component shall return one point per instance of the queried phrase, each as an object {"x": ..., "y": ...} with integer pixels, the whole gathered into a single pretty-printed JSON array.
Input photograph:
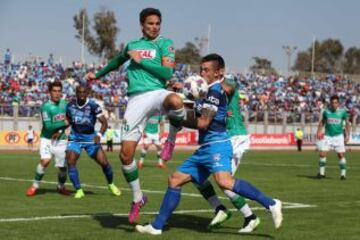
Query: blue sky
[{"x": 240, "y": 29}]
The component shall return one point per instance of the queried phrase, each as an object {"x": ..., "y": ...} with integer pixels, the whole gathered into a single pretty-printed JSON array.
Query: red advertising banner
[
  {"x": 272, "y": 139},
  {"x": 184, "y": 138}
]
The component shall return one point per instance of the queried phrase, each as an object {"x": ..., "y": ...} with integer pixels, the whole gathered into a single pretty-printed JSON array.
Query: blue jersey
[
  {"x": 82, "y": 119},
  {"x": 217, "y": 100}
]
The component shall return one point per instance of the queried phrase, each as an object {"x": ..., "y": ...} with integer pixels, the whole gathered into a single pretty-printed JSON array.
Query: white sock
[
  {"x": 134, "y": 185},
  {"x": 246, "y": 211},
  {"x": 322, "y": 164},
  {"x": 39, "y": 170},
  {"x": 342, "y": 165}
]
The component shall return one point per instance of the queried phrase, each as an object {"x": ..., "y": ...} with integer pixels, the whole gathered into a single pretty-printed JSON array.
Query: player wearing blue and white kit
[
  {"x": 213, "y": 156},
  {"x": 82, "y": 114}
]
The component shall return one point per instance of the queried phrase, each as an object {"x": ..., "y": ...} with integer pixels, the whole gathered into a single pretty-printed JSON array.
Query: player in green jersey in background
[
  {"x": 333, "y": 119},
  {"x": 52, "y": 139},
  {"x": 153, "y": 130},
  {"x": 152, "y": 61}
]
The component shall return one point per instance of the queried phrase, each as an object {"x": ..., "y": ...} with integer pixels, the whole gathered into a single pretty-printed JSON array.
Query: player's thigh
[
  {"x": 138, "y": 110},
  {"x": 218, "y": 157},
  {"x": 92, "y": 149},
  {"x": 100, "y": 158},
  {"x": 45, "y": 149},
  {"x": 193, "y": 167},
  {"x": 73, "y": 151},
  {"x": 338, "y": 143},
  {"x": 58, "y": 149},
  {"x": 177, "y": 179}
]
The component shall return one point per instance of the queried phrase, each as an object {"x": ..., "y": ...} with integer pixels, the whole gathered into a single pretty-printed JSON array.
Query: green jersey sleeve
[
  {"x": 114, "y": 63},
  {"x": 162, "y": 72}
]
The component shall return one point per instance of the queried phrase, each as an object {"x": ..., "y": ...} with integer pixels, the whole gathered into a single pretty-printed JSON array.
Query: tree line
[{"x": 100, "y": 39}]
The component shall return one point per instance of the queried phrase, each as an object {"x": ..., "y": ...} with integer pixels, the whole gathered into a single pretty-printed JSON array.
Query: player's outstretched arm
[{"x": 112, "y": 65}]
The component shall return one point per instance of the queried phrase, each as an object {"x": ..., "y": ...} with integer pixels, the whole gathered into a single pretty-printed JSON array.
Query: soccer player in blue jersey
[
  {"x": 213, "y": 156},
  {"x": 82, "y": 114}
]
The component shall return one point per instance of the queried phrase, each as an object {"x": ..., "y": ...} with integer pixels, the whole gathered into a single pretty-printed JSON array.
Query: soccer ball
[{"x": 195, "y": 87}]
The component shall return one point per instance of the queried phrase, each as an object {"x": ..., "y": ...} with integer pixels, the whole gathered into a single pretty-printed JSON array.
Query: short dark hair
[
  {"x": 214, "y": 57},
  {"x": 55, "y": 84},
  {"x": 148, "y": 12},
  {"x": 334, "y": 97}
]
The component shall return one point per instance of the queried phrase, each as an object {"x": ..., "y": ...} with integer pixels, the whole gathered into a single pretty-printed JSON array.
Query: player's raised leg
[
  {"x": 244, "y": 188},
  {"x": 175, "y": 109}
]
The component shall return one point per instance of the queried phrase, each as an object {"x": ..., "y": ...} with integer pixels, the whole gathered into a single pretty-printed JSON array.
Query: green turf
[{"x": 288, "y": 176}]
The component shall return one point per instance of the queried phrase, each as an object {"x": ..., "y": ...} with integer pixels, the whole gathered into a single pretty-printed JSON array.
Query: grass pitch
[{"x": 313, "y": 209}]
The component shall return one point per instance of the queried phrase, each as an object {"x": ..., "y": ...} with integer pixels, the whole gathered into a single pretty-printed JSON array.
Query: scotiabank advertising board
[{"x": 272, "y": 139}]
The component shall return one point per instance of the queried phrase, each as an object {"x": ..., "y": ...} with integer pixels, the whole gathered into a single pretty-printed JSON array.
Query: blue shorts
[
  {"x": 90, "y": 148},
  {"x": 206, "y": 160}
]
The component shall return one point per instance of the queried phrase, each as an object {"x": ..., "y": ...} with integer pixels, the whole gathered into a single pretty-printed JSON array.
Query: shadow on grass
[
  {"x": 42, "y": 191},
  {"x": 314, "y": 177},
  {"x": 183, "y": 221}
]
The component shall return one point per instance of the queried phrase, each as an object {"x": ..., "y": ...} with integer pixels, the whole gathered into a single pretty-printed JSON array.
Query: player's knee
[
  {"x": 126, "y": 157},
  {"x": 44, "y": 163},
  {"x": 173, "y": 101},
  {"x": 173, "y": 181},
  {"x": 225, "y": 183}
]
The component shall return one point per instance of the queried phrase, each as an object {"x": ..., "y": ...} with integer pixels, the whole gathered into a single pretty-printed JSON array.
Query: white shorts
[
  {"x": 49, "y": 148},
  {"x": 139, "y": 109},
  {"x": 152, "y": 138},
  {"x": 337, "y": 143},
  {"x": 240, "y": 144}
]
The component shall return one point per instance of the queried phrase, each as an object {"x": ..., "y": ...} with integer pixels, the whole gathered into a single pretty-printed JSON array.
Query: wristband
[{"x": 99, "y": 134}]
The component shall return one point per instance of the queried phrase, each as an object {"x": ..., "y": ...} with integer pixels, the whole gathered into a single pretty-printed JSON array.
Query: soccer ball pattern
[{"x": 195, "y": 87}]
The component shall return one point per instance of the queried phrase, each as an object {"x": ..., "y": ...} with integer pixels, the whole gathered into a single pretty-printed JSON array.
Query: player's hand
[
  {"x": 135, "y": 56},
  {"x": 90, "y": 76},
  {"x": 319, "y": 135},
  {"x": 97, "y": 139},
  {"x": 66, "y": 122}
]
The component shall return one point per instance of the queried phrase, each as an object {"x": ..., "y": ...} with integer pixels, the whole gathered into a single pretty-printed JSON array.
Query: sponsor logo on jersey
[
  {"x": 59, "y": 117},
  {"x": 216, "y": 157},
  {"x": 214, "y": 100},
  {"x": 334, "y": 121},
  {"x": 147, "y": 54}
]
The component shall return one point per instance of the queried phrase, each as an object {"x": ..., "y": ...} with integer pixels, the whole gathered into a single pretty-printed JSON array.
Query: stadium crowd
[{"x": 25, "y": 84}]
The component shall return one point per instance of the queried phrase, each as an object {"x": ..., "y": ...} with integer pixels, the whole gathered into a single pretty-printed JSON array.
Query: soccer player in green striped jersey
[
  {"x": 153, "y": 129},
  {"x": 333, "y": 119},
  {"x": 152, "y": 61},
  {"x": 52, "y": 139}
]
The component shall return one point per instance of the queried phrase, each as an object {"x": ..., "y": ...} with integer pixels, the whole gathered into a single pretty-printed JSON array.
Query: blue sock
[
  {"x": 107, "y": 170},
  {"x": 74, "y": 177},
  {"x": 168, "y": 205},
  {"x": 247, "y": 190}
]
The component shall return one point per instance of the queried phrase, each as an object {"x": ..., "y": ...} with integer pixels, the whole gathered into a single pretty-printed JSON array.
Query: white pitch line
[
  {"x": 100, "y": 187},
  {"x": 128, "y": 189},
  {"x": 59, "y": 217}
]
